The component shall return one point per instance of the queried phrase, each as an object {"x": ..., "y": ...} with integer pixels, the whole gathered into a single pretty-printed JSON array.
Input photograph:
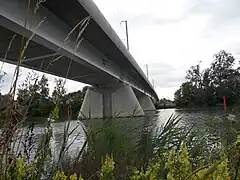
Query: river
[{"x": 193, "y": 117}]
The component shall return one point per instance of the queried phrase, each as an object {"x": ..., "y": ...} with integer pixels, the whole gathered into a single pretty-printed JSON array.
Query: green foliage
[
  {"x": 222, "y": 170},
  {"x": 178, "y": 164},
  {"x": 151, "y": 173},
  {"x": 55, "y": 113},
  {"x": 108, "y": 137},
  {"x": 75, "y": 99},
  {"x": 34, "y": 95},
  {"x": 73, "y": 177},
  {"x": 137, "y": 175},
  {"x": 166, "y": 156},
  {"x": 43, "y": 153},
  {"x": 19, "y": 170},
  {"x": 59, "y": 175},
  {"x": 216, "y": 171},
  {"x": 59, "y": 91},
  {"x": 164, "y": 103},
  {"x": 207, "y": 87},
  {"x": 107, "y": 169}
]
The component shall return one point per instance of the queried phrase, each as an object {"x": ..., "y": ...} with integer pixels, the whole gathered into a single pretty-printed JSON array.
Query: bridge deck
[
  {"x": 38, "y": 57},
  {"x": 99, "y": 37}
]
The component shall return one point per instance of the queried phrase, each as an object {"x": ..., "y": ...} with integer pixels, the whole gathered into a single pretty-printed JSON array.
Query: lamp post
[
  {"x": 147, "y": 70},
  {"x": 126, "y": 29}
]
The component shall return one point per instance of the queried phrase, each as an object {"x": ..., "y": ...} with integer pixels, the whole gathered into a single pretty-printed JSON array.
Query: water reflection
[
  {"x": 76, "y": 139},
  {"x": 134, "y": 127}
]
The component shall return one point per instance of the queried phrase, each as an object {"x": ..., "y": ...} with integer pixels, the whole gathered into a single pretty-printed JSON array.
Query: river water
[{"x": 193, "y": 117}]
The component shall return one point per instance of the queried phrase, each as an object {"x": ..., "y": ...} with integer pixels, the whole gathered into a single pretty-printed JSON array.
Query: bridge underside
[
  {"x": 117, "y": 83},
  {"x": 108, "y": 97},
  {"x": 43, "y": 59}
]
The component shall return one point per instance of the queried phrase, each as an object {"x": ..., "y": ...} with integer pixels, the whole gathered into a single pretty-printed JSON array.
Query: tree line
[
  {"x": 206, "y": 87},
  {"x": 34, "y": 94}
]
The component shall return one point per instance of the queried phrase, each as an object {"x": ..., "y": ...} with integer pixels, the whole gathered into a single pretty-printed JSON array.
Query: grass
[
  {"x": 117, "y": 149},
  {"x": 113, "y": 149},
  {"x": 141, "y": 147}
]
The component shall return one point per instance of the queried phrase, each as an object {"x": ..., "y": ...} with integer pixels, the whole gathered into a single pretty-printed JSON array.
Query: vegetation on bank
[
  {"x": 208, "y": 86},
  {"x": 42, "y": 103},
  {"x": 164, "y": 104},
  {"x": 111, "y": 150}
]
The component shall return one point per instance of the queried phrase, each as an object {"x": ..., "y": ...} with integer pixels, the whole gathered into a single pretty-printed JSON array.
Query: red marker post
[
  {"x": 225, "y": 103},
  {"x": 69, "y": 110}
]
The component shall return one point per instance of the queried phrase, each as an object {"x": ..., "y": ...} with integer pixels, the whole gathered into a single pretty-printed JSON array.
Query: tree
[
  {"x": 185, "y": 95},
  {"x": 221, "y": 68},
  {"x": 59, "y": 91},
  {"x": 34, "y": 94},
  {"x": 178, "y": 99},
  {"x": 43, "y": 87},
  {"x": 76, "y": 99},
  {"x": 27, "y": 89},
  {"x": 208, "y": 87},
  {"x": 194, "y": 75},
  {"x": 223, "y": 77}
]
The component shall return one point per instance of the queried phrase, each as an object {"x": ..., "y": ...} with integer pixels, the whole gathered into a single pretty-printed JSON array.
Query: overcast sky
[{"x": 170, "y": 36}]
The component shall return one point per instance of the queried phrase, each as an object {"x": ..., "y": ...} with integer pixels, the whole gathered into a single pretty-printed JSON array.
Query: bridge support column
[
  {"x": 112, "y": 101},
  {"x": 92, "y": 106},
  {"x": 146, "y": 103}
]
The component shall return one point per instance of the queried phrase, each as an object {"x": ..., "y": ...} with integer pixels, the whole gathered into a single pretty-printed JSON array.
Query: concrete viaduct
[{"x": 99, "y": 58}]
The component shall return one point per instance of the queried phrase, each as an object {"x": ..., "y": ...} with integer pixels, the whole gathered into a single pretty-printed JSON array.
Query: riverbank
[
  {"x": 115, "y": 149},
  {"x": 165, "y": 104},
  {"x": 138, "y": 148}
]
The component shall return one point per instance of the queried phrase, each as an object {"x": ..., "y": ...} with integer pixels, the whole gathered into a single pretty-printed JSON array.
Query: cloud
[
  {"x": 170, "y": 36},
  {"x": 221, "y": 11},
  {"x": 150, "y": 19},
  {"x": 166, "y": 75},
  {"x": 166, "y": 78},
  {"x": 223, "y": 16}
]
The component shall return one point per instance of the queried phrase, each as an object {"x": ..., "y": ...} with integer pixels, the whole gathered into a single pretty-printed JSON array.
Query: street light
[
  {"x": 126, "y": 27},
  {"x": 147, "y": 70}
]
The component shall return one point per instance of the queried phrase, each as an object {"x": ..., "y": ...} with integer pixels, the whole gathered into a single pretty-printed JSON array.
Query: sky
[{"x": 169, "y": 36}]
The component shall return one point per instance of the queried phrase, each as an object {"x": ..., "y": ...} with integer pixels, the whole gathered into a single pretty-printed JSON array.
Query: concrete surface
[
  {"x": 146, "y": 103},
  {"x": 92, "y": 106},
  {"x": 112, "y": 101},
  {"x": 125, "y": 103},
  {"x": 101, "y": 58}
]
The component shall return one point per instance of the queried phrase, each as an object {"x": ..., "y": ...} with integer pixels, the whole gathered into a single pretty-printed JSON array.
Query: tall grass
[
  {"x": 112, "y": 149},
  {"x": 13, "y": 163},
  {"x": 145, "y": 147}
]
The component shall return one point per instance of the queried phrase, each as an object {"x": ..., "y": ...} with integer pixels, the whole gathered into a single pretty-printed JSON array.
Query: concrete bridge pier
[
  {"x": 146, "y": 103},
  {"x": 110, "y": 101}
]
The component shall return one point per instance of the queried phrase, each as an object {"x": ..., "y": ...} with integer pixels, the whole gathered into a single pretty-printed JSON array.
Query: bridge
[{"x": 72, "y": 39}]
